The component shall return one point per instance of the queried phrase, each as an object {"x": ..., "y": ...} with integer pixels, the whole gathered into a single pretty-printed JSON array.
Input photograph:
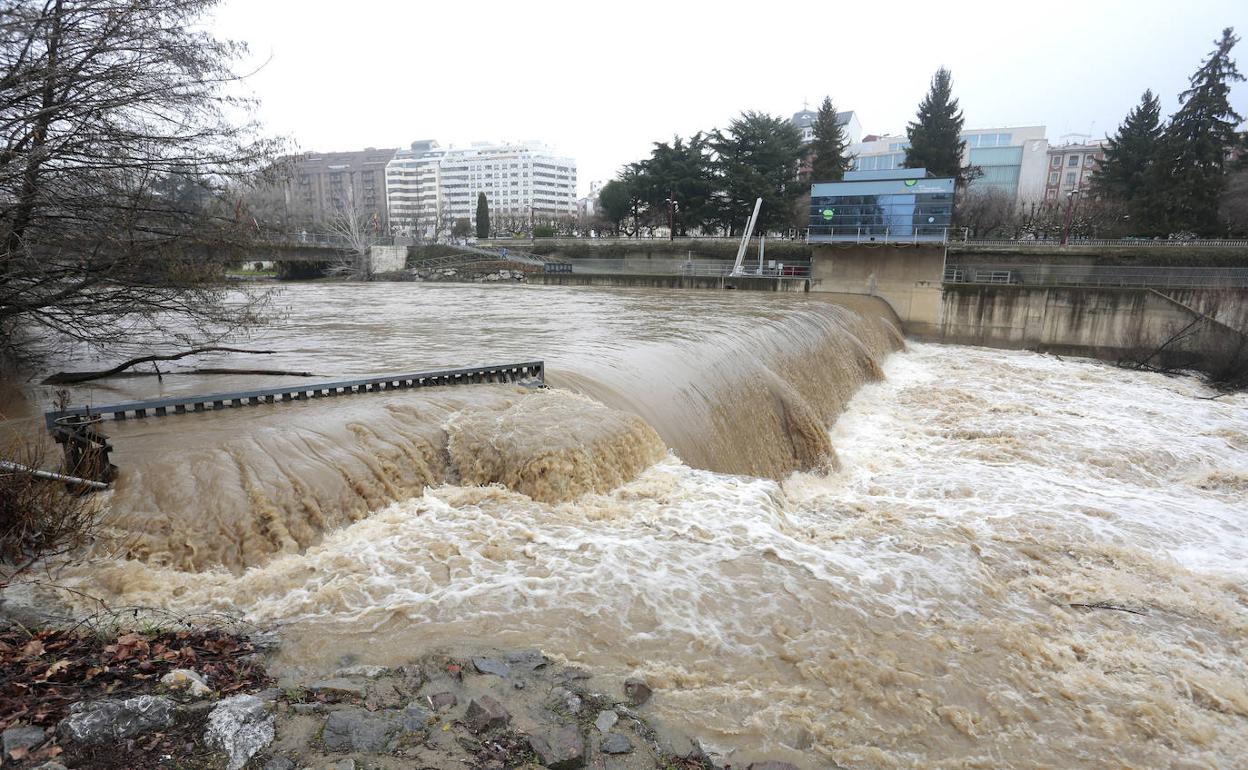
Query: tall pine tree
[
  {"x": 1195, "y": 144},
  {"x": 1130, "y": 172},
  {"x": 935, "y": 142},
  {"x": 829, "y": 145},
  {"x": 483, "y": 216}
]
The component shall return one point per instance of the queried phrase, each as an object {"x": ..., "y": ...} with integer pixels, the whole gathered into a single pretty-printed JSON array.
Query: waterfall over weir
[{"x": 750, "y": 394}]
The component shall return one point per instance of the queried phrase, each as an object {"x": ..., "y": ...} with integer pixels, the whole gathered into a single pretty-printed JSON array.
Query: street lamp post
[
  {"x": 1070, "y": 215},
  {"x": 672, "y": 208}
]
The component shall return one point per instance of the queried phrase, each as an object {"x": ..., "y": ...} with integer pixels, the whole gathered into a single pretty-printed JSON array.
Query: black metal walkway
[{"x": 528, "y": 372}]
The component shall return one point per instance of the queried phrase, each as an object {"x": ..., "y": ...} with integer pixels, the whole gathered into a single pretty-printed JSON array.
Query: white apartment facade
[
  {"x": 1013, "y": 160},
  {"x": 429, "y": 187}
]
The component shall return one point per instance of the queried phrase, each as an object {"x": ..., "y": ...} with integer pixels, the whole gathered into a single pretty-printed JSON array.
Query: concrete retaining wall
[
  {"x": 745, "y": 283},
  {"x": 907, "y": 277},
  {"x": 1109, "y": 323}
]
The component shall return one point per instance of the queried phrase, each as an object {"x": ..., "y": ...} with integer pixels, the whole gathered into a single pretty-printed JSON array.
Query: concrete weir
[
  {"x": 744, "y": 283},
  {"x": 1177, "y": 326}
]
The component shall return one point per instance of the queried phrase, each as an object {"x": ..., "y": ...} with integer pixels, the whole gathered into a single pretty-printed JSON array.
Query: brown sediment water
[
  {"x": 733, "y": 384},
  {"x": 1018, "y": 561}
]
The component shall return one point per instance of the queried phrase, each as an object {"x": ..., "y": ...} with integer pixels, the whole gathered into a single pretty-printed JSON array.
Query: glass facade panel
[{"x": 870, "y": 217}]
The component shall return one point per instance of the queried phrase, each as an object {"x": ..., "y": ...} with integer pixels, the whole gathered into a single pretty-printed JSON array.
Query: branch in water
[
  {"x": 1108, "y": 606},
  {"x": 69, "y": 378}
]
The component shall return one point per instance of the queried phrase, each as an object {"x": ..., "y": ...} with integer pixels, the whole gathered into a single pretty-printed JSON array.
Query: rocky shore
[{"x": 192, "y": 699}]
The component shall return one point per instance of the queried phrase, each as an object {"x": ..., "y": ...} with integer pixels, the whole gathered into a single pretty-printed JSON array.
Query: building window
[
  {"x": 1053, "y": 177},
  {"x": 1088, "y": 161},
  {"x": 1050, "y": 195},
  {"x": 1057, "y": 161},
  {"x": 1070, "y": 178},
  {"x": 1072, "y": 161}
]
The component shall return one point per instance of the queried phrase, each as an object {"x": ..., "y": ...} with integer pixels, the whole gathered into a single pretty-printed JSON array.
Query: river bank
[{"x": 201, "y": 698}]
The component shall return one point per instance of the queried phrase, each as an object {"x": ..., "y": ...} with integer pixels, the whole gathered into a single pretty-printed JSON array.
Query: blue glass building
[{"x": 882, "y": 206}]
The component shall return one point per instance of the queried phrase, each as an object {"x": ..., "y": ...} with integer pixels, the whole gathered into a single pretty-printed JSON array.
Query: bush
[
  {"x": 39, "y": 518},
  {"x": 543, "y": 231}
]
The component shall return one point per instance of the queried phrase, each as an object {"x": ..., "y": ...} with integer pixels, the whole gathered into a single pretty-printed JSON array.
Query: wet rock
[
  {"x": 485, "y": 713},
  {"x": 637, "y": 690},
  {"x": 443, "y": 700},
  {"x": 563, "y": 749},
  {"x": 616, "y": 743},
  {"x": 307, "y": 708},
  {"x": 186, "y": 680},
  {"x": 25, "y": 737},
  {"x": 108, "y": 721},
  {"x": 566, "y": 700},
  {"x": 338, "y": 688},
  {"x": 368, "y": 672},
  {"x": 679, "y": 745},
  {"x": 241, "y": 727},
  {"x": 280, "y": 763},
  {"x": 270, "y": 695},
  {"x": 342, "y": 764},
  {"x": 415, "y": 718},
  {"x": 355, "y": 729},
  {"x": 606, "y": 720},
  {"x": 491, "y": 666},
  {"x": 525, "y": 660}
]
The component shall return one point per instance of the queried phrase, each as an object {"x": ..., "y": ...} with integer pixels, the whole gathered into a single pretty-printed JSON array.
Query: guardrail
[
  {"x": 695, "y": 267},
  {"x": 522, "y": 373},
  {"x": 1099, "y": 275},
  {"x": 877, "y": 234},
  {"x": 1134, "y": 243}
]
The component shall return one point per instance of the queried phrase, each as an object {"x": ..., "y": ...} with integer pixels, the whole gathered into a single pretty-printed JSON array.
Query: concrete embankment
[
  {"x": 746, "y": 283},
  {"x": 1182, "y": 325}
]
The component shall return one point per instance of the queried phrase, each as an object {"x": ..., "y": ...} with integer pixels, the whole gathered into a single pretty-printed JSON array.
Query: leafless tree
[
  {"x": 986, "y": 213},
  {"x": 358, "y": 232},
  {"x": 119, "y": 132}
]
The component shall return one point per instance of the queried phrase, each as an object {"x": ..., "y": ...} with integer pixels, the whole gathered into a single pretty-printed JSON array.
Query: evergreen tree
[
  {"x": 483, "y": 216},
  {"x": 615, "y": 202},
  {"x": 1129, "y": 172},
  {"x": 680, "y": 170},
  {"x": 828, "y": 146},
  {"x": 935, "y": 141},
  {"x": 757, "y": 157},
  {"x": 1195, "y": 144}
]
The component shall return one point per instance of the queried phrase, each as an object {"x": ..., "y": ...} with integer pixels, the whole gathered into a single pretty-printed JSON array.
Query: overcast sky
[{"x": 600, "y": 82}]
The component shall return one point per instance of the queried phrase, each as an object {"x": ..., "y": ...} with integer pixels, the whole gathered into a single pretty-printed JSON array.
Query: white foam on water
[{"x": 913, "y": 609}]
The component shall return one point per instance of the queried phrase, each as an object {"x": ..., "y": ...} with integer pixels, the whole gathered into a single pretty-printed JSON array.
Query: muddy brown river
[{"x": 816, "y": 543}]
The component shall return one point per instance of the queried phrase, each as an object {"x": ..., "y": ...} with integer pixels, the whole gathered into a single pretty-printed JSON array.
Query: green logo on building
[
  {"x": 829, "y": 213},
  {"x": 911, "y": 182}
]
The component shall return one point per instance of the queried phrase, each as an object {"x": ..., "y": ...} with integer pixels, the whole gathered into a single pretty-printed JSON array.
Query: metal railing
[
  {"x": 691, "y": 267},
  {"x": 328, "y": 240},
  {"x": 1099, "y": 275},
  {"x": 1134, "y": 243},
  {"x": 524, "y": 372},
  {"x": 877, "y": 234}
]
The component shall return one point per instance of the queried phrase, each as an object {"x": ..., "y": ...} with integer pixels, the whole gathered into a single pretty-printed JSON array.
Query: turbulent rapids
[{"x": 816, "y": 546}]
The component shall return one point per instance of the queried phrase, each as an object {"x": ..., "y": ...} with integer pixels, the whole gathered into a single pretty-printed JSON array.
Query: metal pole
[{"x": 10, "y": 466}]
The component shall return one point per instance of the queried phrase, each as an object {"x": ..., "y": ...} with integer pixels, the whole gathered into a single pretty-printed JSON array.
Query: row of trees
[
  {"x": 1172, "y": 176},
  {"x": 707, "y": 183}
]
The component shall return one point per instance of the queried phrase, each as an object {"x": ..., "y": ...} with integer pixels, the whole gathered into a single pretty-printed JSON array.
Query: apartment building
[
  {"x": 1071, "y": 165},
  {"x": 319, "y": 184},
  {"x": 429, "y": 187},
  {"x": 1012, "y": 160}
]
